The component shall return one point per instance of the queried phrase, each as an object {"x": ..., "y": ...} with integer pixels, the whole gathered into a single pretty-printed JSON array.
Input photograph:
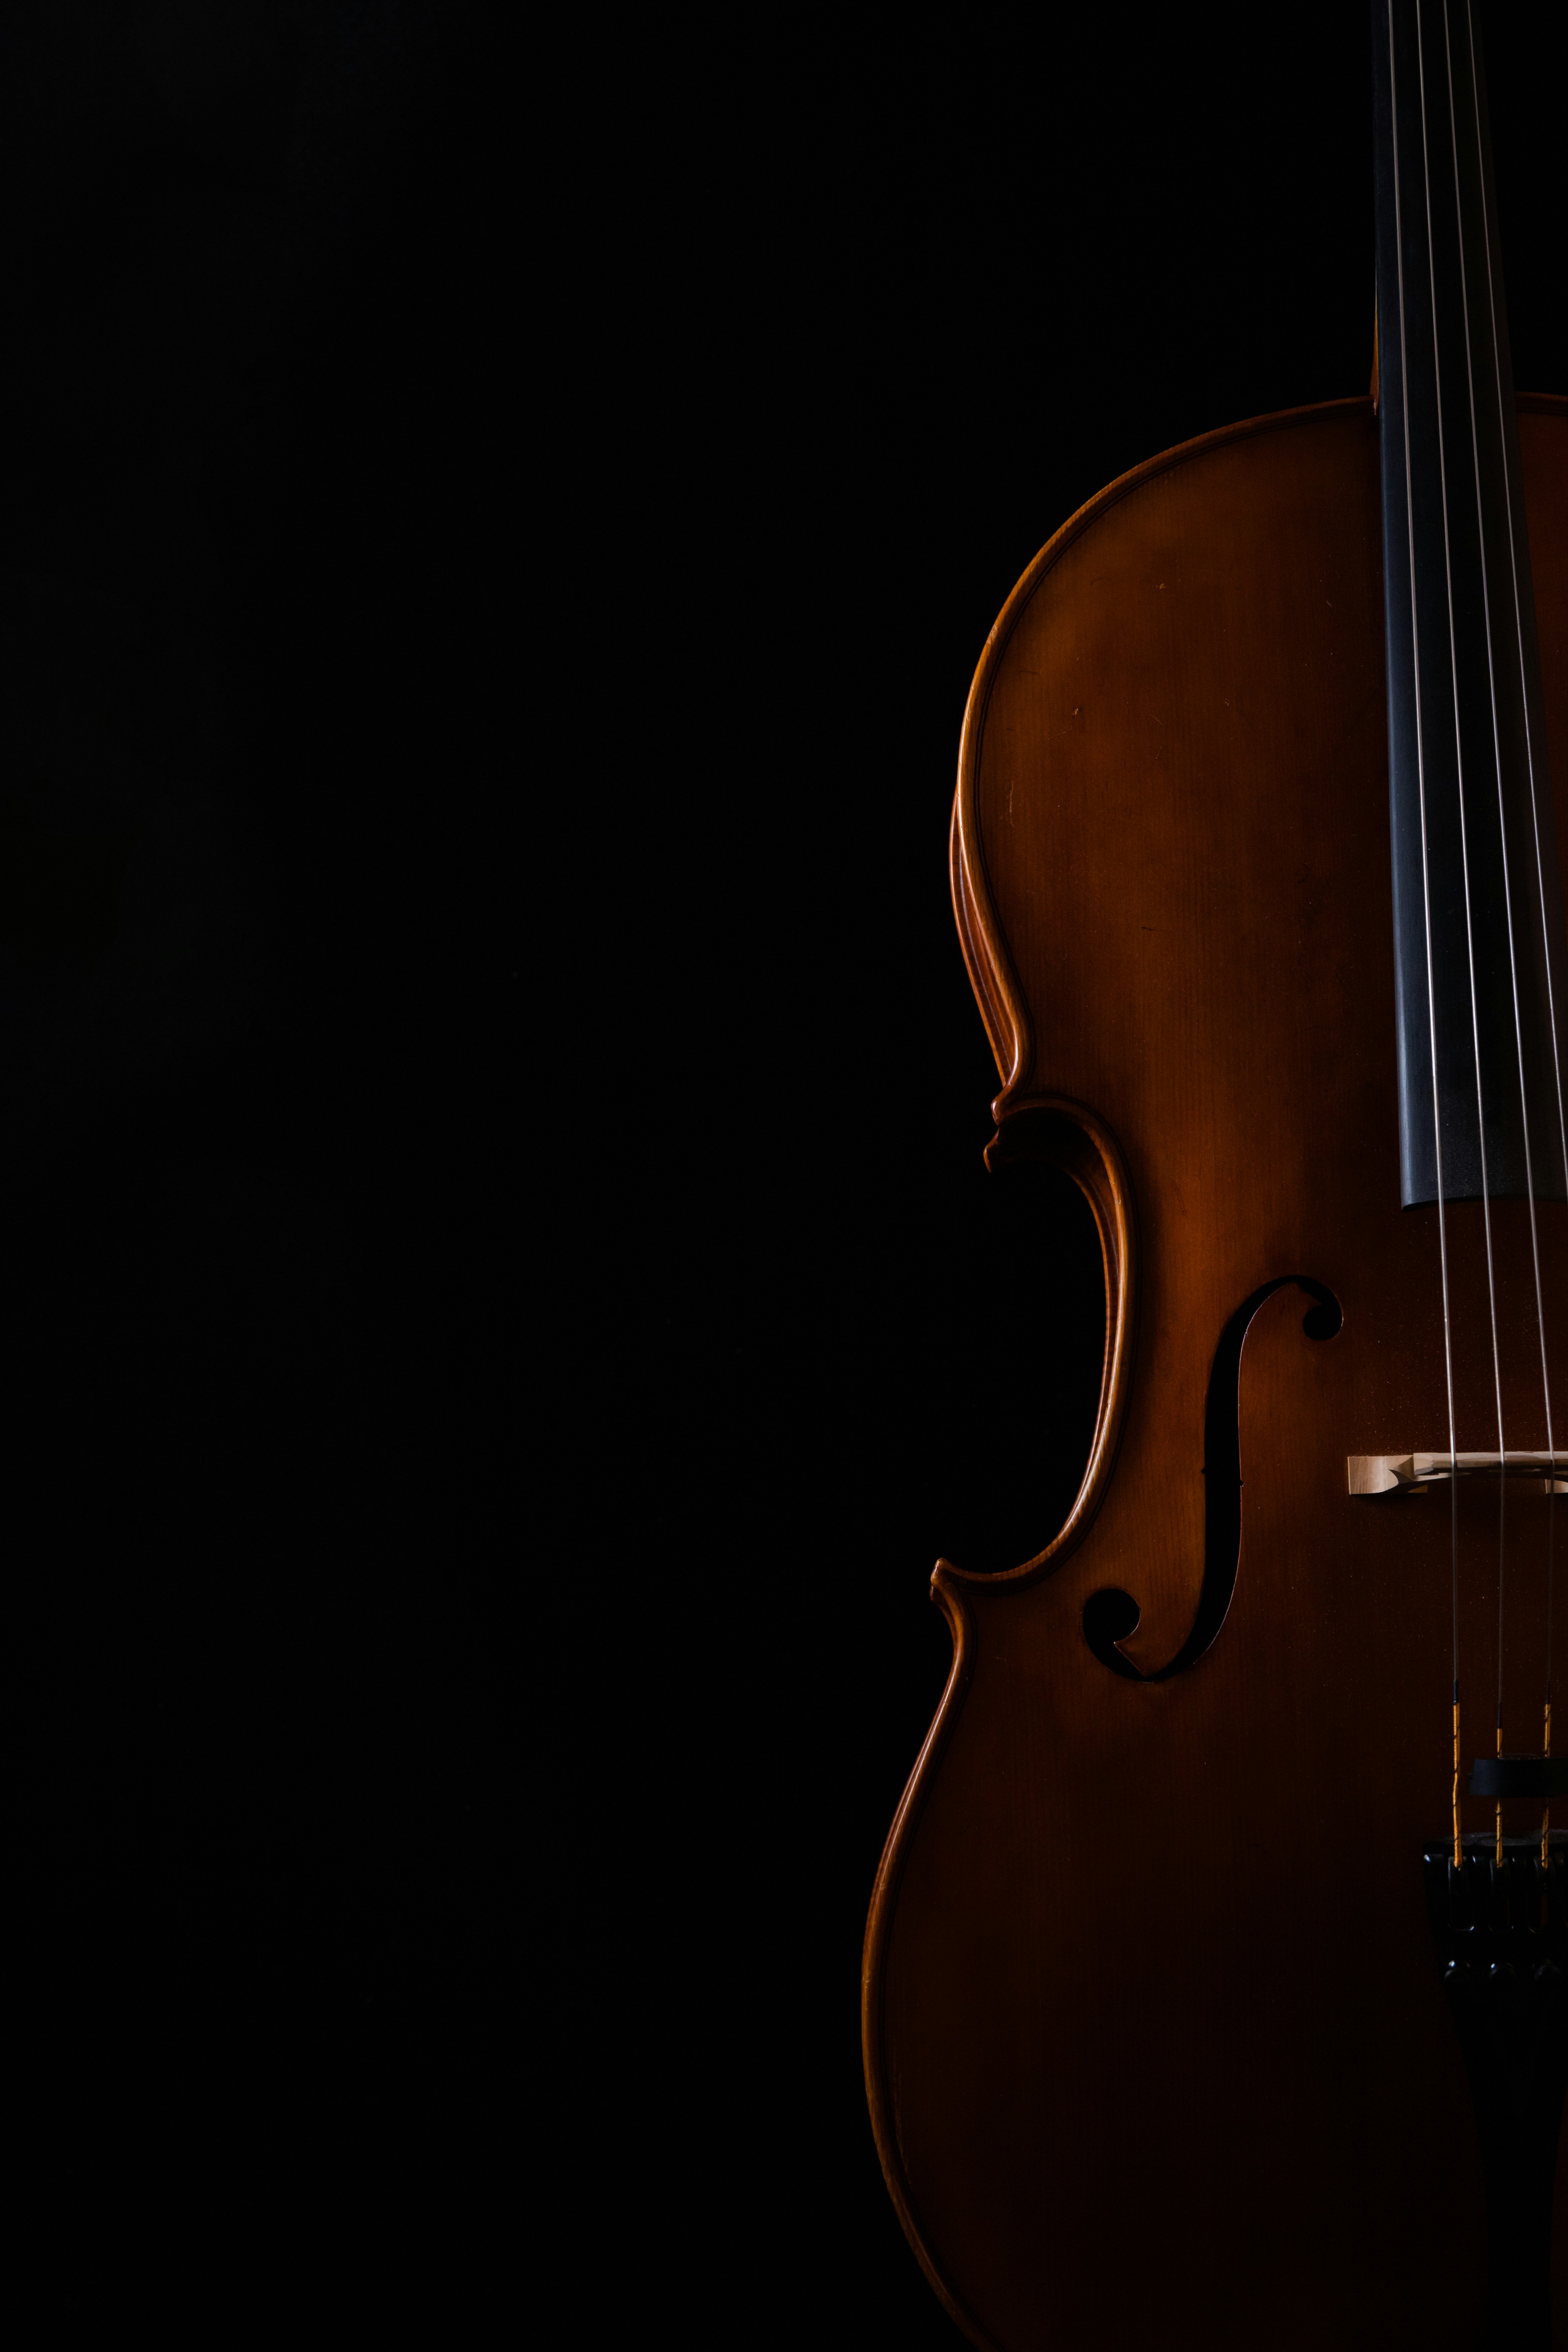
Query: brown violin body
[{"x": 1157, "y": 2048}]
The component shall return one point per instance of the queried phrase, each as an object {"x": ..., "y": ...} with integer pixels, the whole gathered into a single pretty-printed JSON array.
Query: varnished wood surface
[{"x": 1155, "y": 2047}]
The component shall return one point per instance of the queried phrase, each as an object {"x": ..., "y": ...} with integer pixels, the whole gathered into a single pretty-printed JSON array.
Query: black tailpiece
[{"x": 1501, "y": 1931}]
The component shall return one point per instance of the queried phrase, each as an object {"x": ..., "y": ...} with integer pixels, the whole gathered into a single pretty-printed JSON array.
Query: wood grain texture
[{"x": 1154, "y": 2043}]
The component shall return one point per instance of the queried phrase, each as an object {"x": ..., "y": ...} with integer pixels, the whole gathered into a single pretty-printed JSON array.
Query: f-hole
[{"x": 1110, "y": 1616}]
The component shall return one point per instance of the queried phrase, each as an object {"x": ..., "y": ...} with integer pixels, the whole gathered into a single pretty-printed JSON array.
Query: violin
[{"x": 1216, "y": 1977}]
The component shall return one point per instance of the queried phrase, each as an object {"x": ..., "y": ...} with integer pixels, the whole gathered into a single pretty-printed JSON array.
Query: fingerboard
[{"x": 1481, "y": 971}]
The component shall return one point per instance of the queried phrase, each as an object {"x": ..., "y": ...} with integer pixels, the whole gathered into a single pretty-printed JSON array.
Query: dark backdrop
[
  {"x": 260, "y": 963},
  {"x": 952, "y": 280}
]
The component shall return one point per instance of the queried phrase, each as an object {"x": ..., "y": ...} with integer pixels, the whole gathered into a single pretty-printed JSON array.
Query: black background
[
  {"x": 501, "y": 1293},
  {"x": 259, "y": 1323}
]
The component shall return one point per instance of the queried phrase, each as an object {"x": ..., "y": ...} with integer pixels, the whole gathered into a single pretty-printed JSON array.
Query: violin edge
[
  {"x": 1033, "y": 1122},
  {"x": 985, "y": 953},
  {"x": 1065, "y": 1134},
  {"x": 987, "y": 959},
  {"x": 879, "y": 2097}
]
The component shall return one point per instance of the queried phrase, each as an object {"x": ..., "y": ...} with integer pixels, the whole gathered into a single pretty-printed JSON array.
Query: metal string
[
  {"x": 1518, "y": 614},
  {"x": 1497, "y": 753},
  {"x": 1507, "y": 889},
  {"x": 1459, "y": 755},
  {"x": 1464, "y": 876},
  {"x": 1540, "y": 867},
  {"x": 1427, "y": 911}
]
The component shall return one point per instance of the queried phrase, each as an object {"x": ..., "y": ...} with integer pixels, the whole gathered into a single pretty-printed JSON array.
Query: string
[
  {"x": 1465, "y": 876},
  {"x": 1427, "y": 912},
  {"x": 1507, "y": 882},
  {"x": 1539, "y": 872},
  {"x": 1530, "y": 1177},
  {"x": 1497, "y": 752},
  {"x": 1518, "y": 610}
]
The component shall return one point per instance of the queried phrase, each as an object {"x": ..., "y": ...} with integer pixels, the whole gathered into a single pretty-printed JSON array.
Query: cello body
[{"x": 1155, "y": 2045}]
